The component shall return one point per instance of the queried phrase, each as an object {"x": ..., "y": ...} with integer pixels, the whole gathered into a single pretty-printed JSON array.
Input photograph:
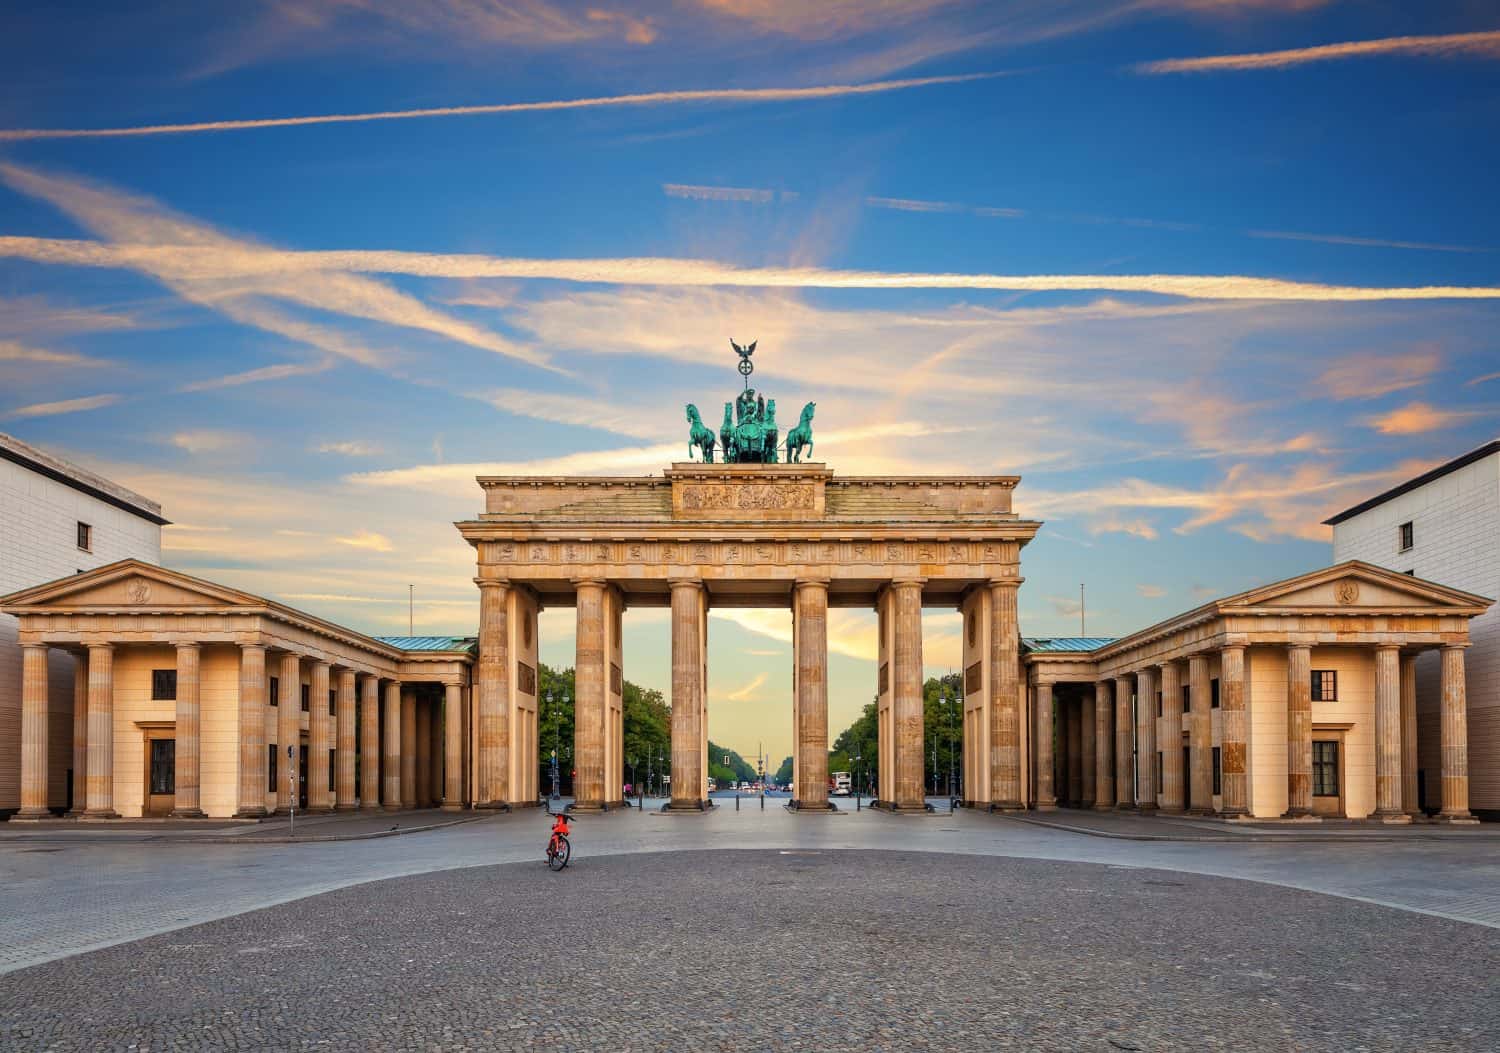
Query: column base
[
  {"x": 1455, "y": 818},
  {"x": 593, "y": 807},
  {"x": 1148, "y": 807},
  {"x": 811, "y": 806},
  {"x": 99, "y": 813},
  {"x": 453, "y": 806},
  {"x": 393, "y": 807},
  {"x": 31, "y": 815},
  {"x": 1011, "y": 807},
  {"x": 187, "y": 813},
  {"x": 1235, "y": 814},
  {"x": 1174, "y": 813},
  {"x": 250, "y": 813},
  {"x": 902, "y": 809},
  {"x": 345, "y": 807},
  {"x": 1390, "y": 818},
  {"x": 699, "y": 805},
  {"x": 1300, "y": 816},
  {"x": 1046, "y": 806},
  {"x": 492, "y": 806},
  {"x": 1103, "y": 806},
  {"x": 1200, "y": 813},
  {"x": 1126, "y": 806}
]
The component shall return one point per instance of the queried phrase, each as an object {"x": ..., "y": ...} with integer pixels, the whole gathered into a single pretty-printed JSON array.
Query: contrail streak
[
  {"x": 650, "y": 98},
  {"x": 204, "y": 263},
  {"x": 1486, "y": 43}
]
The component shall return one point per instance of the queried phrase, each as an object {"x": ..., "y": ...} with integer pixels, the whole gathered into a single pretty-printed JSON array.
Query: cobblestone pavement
[
  {"x": 61, "y": 898},
  {"x": 798, "y": 949}
]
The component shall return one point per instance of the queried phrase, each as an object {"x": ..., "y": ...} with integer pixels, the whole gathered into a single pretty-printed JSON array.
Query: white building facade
[
  {"x": 56, "y": 519},
  {"x": 1444, "y": 526}
]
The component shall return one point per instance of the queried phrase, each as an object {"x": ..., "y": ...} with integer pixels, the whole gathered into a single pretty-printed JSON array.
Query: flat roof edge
[
  {"x": 80, "y": 479},
  {"x": 1441, "y": 470}
]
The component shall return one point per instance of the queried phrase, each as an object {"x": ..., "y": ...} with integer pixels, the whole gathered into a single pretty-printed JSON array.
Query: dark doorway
[
  {"x": 1187, "y": 777},
  {"x": 161, "y": 775}
]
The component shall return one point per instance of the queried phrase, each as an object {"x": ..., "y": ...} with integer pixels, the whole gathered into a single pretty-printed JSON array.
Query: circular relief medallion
[
  {"x": 138, "y": 591},
  {"x": 973, "y": 627},
  {"x": 1347, "y": 592}
]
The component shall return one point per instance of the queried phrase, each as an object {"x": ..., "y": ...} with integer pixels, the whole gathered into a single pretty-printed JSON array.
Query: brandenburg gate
[{"x": 748, "y": 533}]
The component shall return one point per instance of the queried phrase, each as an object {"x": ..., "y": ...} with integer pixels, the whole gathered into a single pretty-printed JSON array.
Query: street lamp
[{"x": 556, "y": 731}]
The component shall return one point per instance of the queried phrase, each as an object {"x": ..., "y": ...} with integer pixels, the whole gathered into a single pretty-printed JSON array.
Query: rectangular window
[
  {"x": 1213, "y": 693},
  {"x": 1325, "y": 772},
  {"x": 1407, "y": 536},
  {"x": 1187, "y": 697},
  {"x": 332, "y": 699},
  {"x": 163, "y": 685},
  {"x": 1158, "y": 775},
  {"x": 1218, "y": 773},
  {"x": 1158, "y": 703},
  {"x": 1325, "y": 685},
  {"x": 163, "y": 766},
  {"x": 330, "y": 771},
  {"x": 271, "y": 769},
  {"x": 306, "y": 694},
  {"x": 275, "y": 690},
  {"x": 85, "y": 537},
  {"x": 1411, "y": 573}
]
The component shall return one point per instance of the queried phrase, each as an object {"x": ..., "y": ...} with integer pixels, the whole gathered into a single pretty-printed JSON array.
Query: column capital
[
  {"x": 907, "y": 583},
  {"x": 579, "y": 583},
  {"x": 1006, "y": 583},
  {"x": 1388, "y": 647},
  {"x": 492, "y": 583},
  {"x": 94, "y": 646},
  {"x": 820, "y": 583},
  {"x": 1453, "y": 646},
  {"x": 1231, "y": 647},
  {"x": 685, "y": 583},
  {"x": 191, "y": 645}
]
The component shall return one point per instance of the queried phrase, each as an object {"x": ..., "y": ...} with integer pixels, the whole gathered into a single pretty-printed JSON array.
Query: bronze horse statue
[
  {"x": 699, "y": 436},
  {"x": 800, "y": 438}
]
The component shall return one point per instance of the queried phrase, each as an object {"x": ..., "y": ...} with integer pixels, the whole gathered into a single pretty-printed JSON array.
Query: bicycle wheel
[{"x": 558, "y": 853}]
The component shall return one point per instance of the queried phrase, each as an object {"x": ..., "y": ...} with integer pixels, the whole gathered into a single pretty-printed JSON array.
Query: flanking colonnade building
[{"x": 1296, "y": 699}]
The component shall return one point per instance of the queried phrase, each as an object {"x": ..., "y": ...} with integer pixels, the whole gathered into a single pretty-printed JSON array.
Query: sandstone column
[
  {"x": 423, "y": 716},
  {"x": 319, "y": 739},
  {"x": 590, "y": 698},
  {"x": 101, "y": 784},
  {"x": 1005, "y": 689},
  {"x": 409, "y": 748},
  {"x": 1409, "y": 802},
  {"x": 1088, "y": 760},
  {"x": 1046, "y": 799},
  {"x": 187, "y": 803},
  {"x": 252, "y": 732},
  {"x": 906, "y": 685},
  {"x": 80, "y": 731},
  {"x": 435, "y": 754},
  {"x": 687, "y": 695},
  {"x": 391, "y": 773},
  {"x": 453, "y": 748},
  {"x": 369, "y": 741},
  {"x": 1146, "y": 753},
  {"x": 1298, "y": 731},
  {"x": 344, "y": 703},
  {"x": 33, "y": 732},
  {"x": 810, "y": 644},
  {"x": 493, "y": 751},
  {"x": 288, "y": 729},
  {"x": 1124, "y": 743},
  {"x": 1454, "y": 744},
  {"x": 1388, "y": 735},
  {"x": 1201, "y": 736},
  {"x": 1234, "y": 732},
  {"x": 1172, "y": 799},
  {"x": 1104, "y": 745}
]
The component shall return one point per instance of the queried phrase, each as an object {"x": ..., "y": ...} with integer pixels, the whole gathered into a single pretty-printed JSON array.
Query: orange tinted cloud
[
  {"x": 1416, "y": 418},
  {"x": 1450, "y": 45}
]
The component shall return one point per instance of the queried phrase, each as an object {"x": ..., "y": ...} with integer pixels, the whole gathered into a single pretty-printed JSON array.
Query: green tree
[
  {"x": 942, "y": 725},
  {"x": 737, "y": 770},
  {"x": 647, "y": 719},
  {"x": 783, "y": 774}
]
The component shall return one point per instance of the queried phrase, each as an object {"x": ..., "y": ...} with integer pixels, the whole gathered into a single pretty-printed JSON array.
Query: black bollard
[
  {"x": 763, "y": 800},
  {"x": 736, "y": 802}
]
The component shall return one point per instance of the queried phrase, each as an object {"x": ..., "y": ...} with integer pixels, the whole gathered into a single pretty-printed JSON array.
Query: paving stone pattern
[{"x": 779, "y": 950}]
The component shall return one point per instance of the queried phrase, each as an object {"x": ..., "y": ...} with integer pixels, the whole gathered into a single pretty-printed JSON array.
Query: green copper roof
[
  {"x": 1064, "y": 644},
  {"x": 429, "y": 643}
]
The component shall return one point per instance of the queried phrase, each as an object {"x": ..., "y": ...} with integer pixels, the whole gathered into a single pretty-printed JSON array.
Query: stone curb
[
  {"x": 239, "y": 839},
  {"x": 1236, "y": 839}
]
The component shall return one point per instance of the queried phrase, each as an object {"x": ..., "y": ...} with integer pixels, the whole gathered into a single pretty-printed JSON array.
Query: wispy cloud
[
  {"x": 748, "y": 691},
  {"x": 206, "y": 440},
  {"x": 578, "y": 410},
  {"x": 1416, "y": 418},
  {"x": 350, "y": 448},
  {"x": 751, "y": 194},
  {"x": 1137, "y": 527},
  {"x": 190, "y": 262},
  {"x": 259, "y": 375},
  {"x": 1368, "y": 374},
  {"x": 1151, "y": 592},
  {"x": 11, "y": 351},
  {"x": 367, "y": 539},
  {"x": 1377, "y": 243},
  {"x": 650, "y": 98},
  {"x": 52, "y": 409},
  {"x": 1449, "y": 45}
]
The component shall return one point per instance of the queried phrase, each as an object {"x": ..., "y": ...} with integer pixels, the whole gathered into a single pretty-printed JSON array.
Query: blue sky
[{"x": 1201, "y": 271}]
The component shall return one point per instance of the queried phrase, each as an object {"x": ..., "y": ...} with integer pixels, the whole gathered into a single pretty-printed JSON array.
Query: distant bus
[{"x": 842, "y": 784}]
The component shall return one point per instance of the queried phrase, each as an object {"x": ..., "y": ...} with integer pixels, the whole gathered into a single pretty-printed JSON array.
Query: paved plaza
[{"x": 750, "y": 928}]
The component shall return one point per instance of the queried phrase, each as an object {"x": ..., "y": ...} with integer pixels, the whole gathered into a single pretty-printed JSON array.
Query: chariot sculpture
[{"x": 749, "y": 433}]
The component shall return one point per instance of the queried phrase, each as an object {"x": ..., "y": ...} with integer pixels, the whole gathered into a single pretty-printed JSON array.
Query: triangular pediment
[
  {"x": 1354, "y": 586},
  {"x": 130, "y": 583}
]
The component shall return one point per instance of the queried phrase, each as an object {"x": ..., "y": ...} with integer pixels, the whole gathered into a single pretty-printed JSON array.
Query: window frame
[
  {"x": 164, "y": 745},
  {"x": 306, "y": 693},
  {"x": 84, "y": 536},
  {"x": 271, "y": 767},
  {"x": 1213, "y": 692},
  {"x": 273, "y": 690},
  {"x": 1323, "y": 680},
  {"x": 1218, "y": 767},
  {"x": 1187, "y": 698},
  {"x": 164, "y": 689},
  {"x": 333, "y": 696},
  {"x": 1321, "y": 767},
  {"x": 1406, "y": 536}
]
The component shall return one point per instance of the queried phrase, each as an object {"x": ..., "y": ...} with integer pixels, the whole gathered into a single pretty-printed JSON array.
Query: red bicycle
[{"x": 559, "y": 851}]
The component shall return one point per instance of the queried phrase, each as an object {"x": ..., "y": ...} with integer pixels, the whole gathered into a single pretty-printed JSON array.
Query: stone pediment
[
  {"x": 1357, "y": 586},
  {"x": 128, "y": 584}
]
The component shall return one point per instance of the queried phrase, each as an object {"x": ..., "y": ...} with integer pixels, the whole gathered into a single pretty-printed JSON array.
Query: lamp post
[
  {"x": 856, "y": 759},
  {"x": 953, "y": 702},
  {"x": 630, "y": 760}
]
